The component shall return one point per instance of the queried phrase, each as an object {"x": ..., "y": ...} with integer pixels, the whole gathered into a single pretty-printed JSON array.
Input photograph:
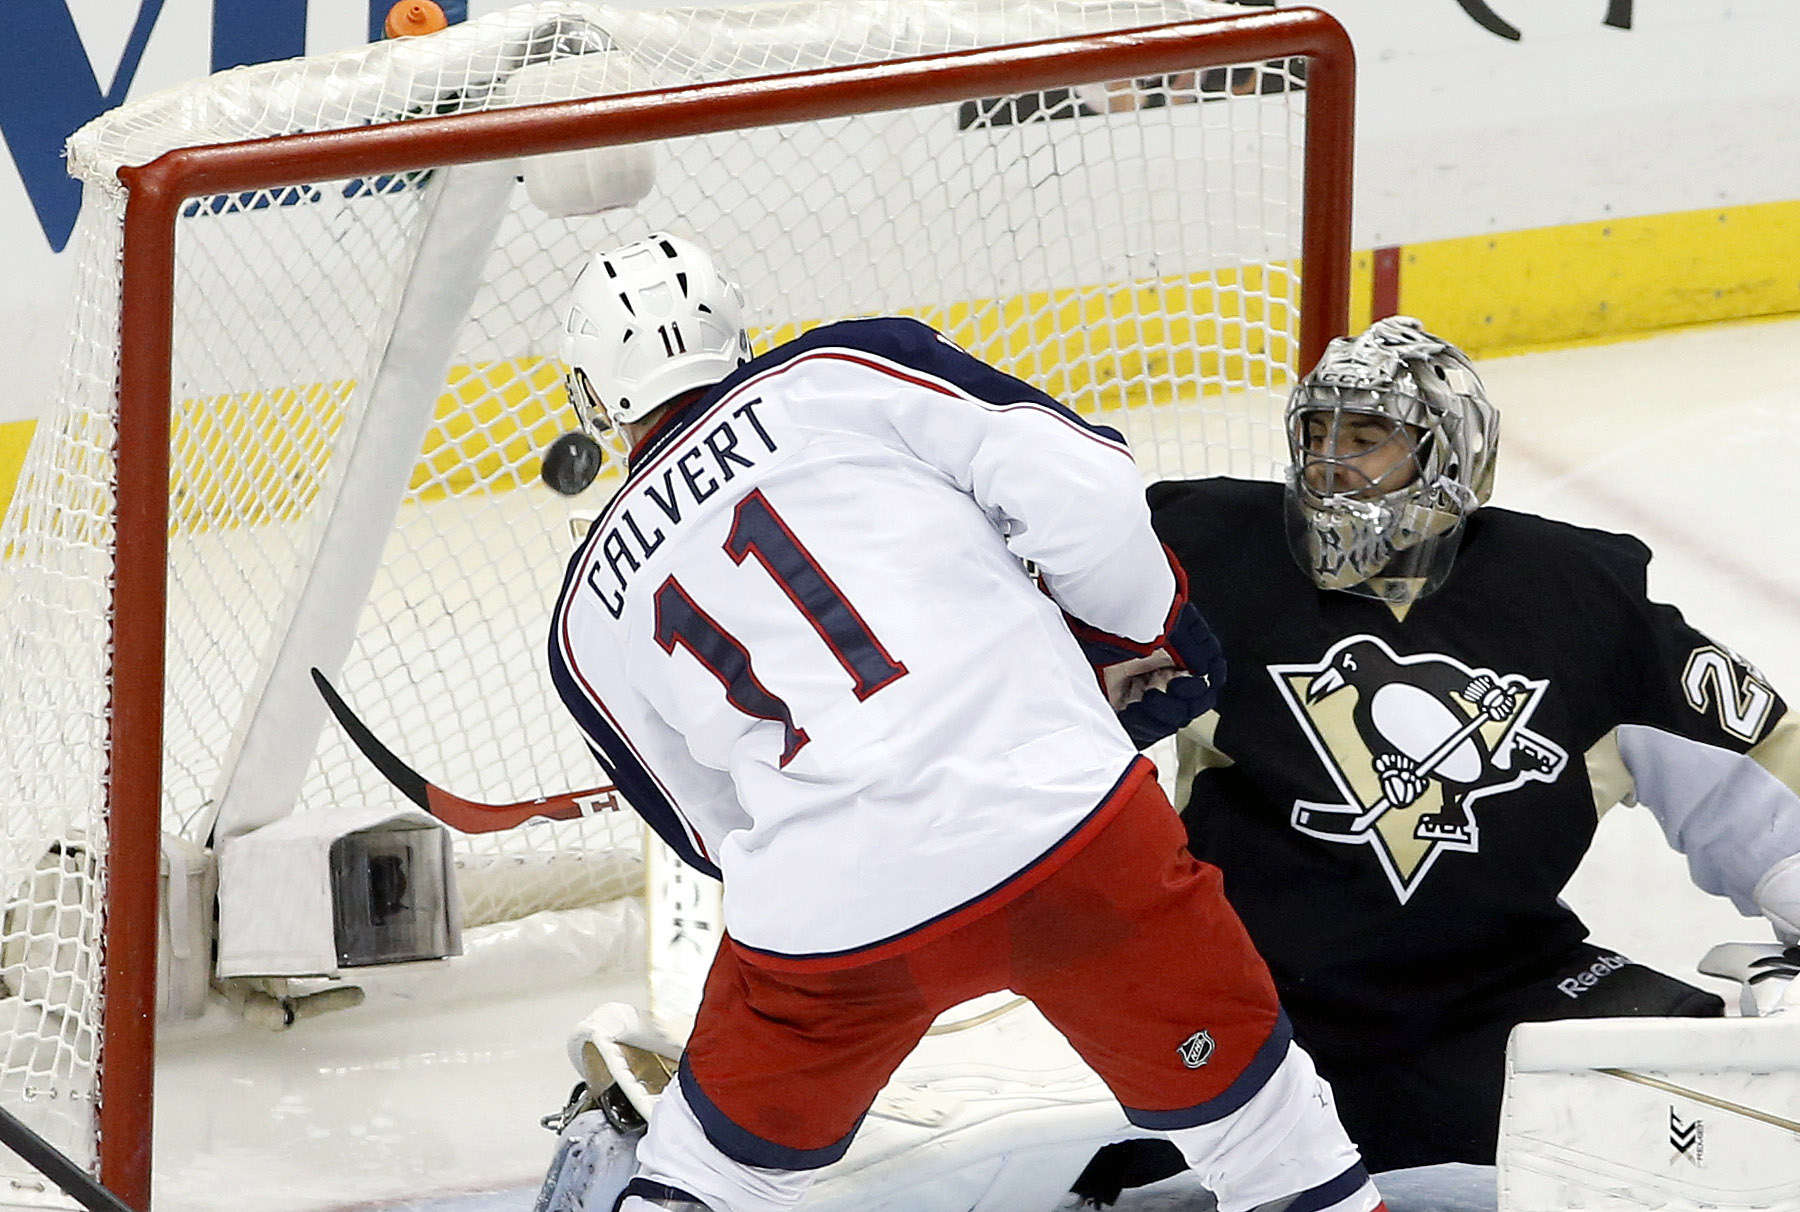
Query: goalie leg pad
[
  {"x": 593, "y": 1162},
  {"x": 1652, "y": 1113}
]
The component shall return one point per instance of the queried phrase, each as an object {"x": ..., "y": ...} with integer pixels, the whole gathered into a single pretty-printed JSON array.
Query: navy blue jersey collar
[
  {"x": 682, "y": 419},
  {"x": 676, "y": 422}
]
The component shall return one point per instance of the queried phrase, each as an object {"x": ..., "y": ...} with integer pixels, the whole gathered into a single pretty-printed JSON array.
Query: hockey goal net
[{"x": 314, "y": 371}]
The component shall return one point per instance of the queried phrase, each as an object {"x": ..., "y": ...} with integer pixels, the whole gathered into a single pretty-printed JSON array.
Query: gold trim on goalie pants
[{"x": 1128, "y": 948}]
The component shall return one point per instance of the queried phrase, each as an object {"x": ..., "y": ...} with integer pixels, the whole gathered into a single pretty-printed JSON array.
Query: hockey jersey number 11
[{"x": 802, "y": 640}]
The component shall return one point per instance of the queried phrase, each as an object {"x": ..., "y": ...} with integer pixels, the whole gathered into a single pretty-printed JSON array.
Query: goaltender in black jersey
[{"x": 1430, "y": 706}]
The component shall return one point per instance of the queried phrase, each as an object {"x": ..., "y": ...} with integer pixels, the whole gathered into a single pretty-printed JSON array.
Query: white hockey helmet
[
  {"x": 1396, "y": 545},
  {"x": 647, "y": 322}
]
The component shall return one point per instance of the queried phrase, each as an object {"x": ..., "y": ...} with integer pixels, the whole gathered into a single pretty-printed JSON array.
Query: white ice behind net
[{"x": 1125, "y": 247}]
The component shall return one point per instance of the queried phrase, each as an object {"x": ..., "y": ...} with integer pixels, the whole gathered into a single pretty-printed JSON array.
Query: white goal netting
[{"x": 348, "y": 352}]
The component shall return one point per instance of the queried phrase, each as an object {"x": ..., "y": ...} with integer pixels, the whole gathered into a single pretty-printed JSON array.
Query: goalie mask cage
[{"x": 314, "y": 369}]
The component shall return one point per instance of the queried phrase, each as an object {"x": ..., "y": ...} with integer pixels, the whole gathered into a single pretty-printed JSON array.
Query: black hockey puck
[{"x": 571, "y": 462}]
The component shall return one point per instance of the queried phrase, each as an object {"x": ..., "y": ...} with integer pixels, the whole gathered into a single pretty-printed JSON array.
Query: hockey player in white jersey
[{"x": 803, "y": 641}]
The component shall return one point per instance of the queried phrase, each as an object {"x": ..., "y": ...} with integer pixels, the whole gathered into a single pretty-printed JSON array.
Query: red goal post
[{"x": 158, "y": 191}]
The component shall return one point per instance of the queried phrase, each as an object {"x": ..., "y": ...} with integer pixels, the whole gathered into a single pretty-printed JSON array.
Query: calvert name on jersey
[{"x": 802, "y": 642}]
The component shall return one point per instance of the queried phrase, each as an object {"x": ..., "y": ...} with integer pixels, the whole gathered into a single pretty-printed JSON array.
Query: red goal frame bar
[{"x": 158, "y": 190}]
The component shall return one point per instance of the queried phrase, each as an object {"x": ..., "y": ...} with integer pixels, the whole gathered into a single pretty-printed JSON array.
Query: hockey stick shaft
[
  {"x": 1374, "y": 812},
  {"x": 468, "y": 816},
  {"x": 44, "y": 1157}
]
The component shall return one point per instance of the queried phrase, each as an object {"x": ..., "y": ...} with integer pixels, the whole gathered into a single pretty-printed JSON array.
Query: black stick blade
[
  {"x": 410, "y": 782},
  {"x": 467, "y": 816}
]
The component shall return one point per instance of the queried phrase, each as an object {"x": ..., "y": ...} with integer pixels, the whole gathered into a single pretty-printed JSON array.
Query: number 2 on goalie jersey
[{"x": 757, "y": 530}]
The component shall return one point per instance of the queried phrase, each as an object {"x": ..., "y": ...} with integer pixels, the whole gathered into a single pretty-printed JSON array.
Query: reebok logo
[{"x": 1581, "y": 982}]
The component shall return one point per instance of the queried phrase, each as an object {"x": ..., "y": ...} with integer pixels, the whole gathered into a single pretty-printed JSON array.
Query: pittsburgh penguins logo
[{"x": 1411, "y": 744}]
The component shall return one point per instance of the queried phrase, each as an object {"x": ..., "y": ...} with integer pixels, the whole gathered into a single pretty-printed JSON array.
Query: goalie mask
[
  {"x": 1392, "y": 442},
  {"x": 646, "y": 323}
]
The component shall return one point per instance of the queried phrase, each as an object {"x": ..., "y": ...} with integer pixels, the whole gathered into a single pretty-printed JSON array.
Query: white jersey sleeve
[
  {"x": 1064, "y": 493},
  {"x": 802, "y": 640},
  {"x": 1728, "y": 812}
]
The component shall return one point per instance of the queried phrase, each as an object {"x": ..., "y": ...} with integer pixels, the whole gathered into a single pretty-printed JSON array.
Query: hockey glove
[{"x": 1158, "y": 689}]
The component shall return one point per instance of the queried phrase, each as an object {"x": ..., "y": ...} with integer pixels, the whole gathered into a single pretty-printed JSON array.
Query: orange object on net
[{"x": 412, "y": 17}]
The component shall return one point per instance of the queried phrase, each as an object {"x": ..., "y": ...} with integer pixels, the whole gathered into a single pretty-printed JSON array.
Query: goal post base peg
[{"x": 411, "y": 18}]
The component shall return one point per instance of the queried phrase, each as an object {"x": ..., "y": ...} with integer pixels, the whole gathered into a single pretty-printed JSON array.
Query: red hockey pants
[{"x": 1127, "y": 946}]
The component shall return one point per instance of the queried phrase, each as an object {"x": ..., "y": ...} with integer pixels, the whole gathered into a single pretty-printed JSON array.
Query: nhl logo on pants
[{"x": 1196, "y": 1049}]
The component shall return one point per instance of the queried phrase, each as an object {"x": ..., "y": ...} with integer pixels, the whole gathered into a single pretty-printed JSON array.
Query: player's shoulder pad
[
  {"x": 1582, "y": 551},
  {"x": 912, "y": 345},
  {"x": 896, "y": 339},
  {"x": 887, "y": 337}
]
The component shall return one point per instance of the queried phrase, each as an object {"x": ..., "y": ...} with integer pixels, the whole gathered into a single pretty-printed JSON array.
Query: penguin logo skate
[
  {"x": 1412, "y": 744},
  {"x": 1197, "y": 1049}
]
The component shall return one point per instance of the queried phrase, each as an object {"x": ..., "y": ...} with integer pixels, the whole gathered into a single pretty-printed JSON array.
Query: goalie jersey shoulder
[{"x": 1233, "y": 532}]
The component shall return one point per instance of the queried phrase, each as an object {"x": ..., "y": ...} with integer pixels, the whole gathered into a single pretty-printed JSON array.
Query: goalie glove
[
  {"x": 1765, "y": 974},
  {"x": 1158, "y": 688}
]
